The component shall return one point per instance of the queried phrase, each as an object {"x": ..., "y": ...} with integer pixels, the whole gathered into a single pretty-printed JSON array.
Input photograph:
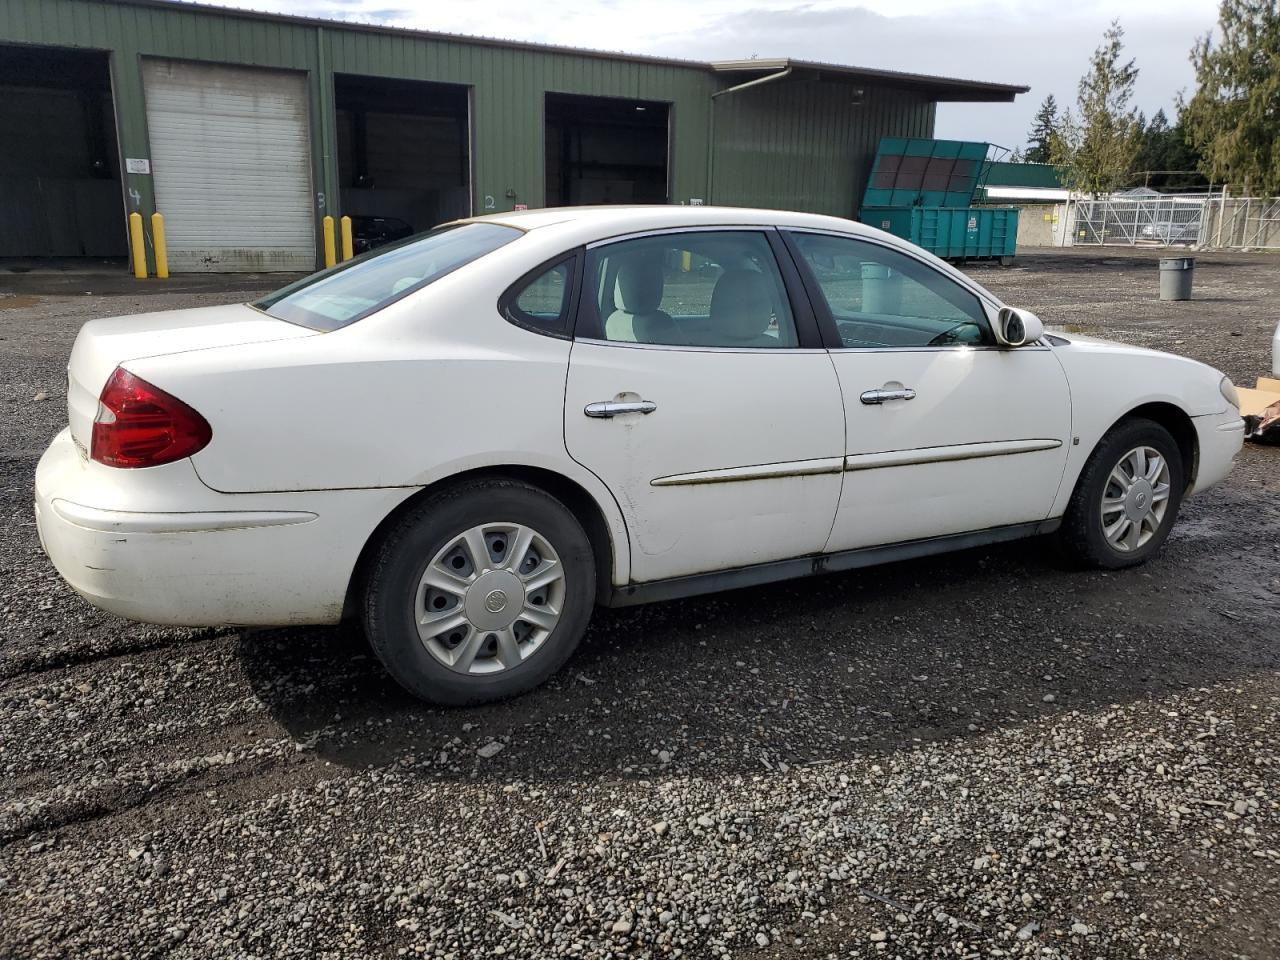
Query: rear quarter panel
[
  {"x": 305, "y": 419},
  {"x": 103, "y": 344},
  {"x": 434, "y": 385}
]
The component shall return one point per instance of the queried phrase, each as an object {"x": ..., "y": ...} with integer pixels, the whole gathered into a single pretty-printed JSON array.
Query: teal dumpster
[
  {"x": 915, "y": 172},
  {"x": 953, "y": 233},
  {"x": 922, "y": 190}
]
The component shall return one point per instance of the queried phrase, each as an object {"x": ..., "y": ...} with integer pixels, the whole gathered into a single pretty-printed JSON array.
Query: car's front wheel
[
  {"x": 1126, "y": 499},
  {"x": 479, "y": 592}
]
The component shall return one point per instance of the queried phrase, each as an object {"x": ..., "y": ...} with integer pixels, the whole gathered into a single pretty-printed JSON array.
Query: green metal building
[{"x": 246, "y": 129}]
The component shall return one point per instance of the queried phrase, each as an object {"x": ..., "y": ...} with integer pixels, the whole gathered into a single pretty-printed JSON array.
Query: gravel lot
[{"x": 974, "y": 755}]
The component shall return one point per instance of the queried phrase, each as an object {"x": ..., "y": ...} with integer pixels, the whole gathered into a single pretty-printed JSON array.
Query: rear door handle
[
  {"x": 605, "y": 409},
  {"x": 880, "y": 396}
]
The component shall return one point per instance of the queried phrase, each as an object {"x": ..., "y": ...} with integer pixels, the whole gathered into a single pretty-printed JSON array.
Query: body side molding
[
  {"x": 958, "y": 451},
  {"x": 762, "y": 471},
  {"x": 861, "y": 461}
]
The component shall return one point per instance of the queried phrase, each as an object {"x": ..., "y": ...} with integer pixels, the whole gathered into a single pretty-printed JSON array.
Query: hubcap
[
  {"x": 489, "y": 598},
  {"x": 1135, "y": 499},
  {"x": 494, "y": 601}
]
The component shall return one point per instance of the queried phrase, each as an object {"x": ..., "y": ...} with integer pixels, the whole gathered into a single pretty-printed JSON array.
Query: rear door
[
  {"x": 946, "y": 432},
  {"x": 700, "y": 396}
]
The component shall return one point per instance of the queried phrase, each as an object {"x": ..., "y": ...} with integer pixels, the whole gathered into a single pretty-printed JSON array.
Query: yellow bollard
[
  {"x": 157, "y": 242},
  {"x": 329, "y": 258},
  {"x": 347, "y": 244},
  {"x": 686, "y": 261},
  {"x": 138, "y": 246}
]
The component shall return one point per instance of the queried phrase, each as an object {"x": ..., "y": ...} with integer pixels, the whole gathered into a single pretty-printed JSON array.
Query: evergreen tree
[
  {"x": 1152, "y": 147},
  {"x": 1233, "y": 118},
  {"x": 1165, "y": 160},
  {"x": 1043, "y": 127},
  {"x": 1095, "y": 151}
]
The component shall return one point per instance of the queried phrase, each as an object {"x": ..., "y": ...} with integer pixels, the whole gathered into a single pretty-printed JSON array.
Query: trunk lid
[{"x": 103, "y": 345}]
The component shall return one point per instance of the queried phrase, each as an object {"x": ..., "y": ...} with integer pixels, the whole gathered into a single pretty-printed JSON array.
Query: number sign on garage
[{"x": 231, "y": 158}]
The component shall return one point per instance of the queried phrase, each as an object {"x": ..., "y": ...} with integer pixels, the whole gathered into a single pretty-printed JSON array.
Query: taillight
[{"x": 139, "y": 425}]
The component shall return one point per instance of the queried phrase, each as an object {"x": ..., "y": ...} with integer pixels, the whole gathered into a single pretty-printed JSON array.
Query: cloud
[
  {"x": 1028, "y": 47},
  {"x": 1043, "y": 43}
]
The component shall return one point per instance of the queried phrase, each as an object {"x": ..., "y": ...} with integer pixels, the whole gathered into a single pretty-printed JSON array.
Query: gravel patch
[{"x": 975, "y": 755}]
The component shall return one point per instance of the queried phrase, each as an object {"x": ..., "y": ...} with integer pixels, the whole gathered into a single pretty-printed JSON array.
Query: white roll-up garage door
[{"x": 231, "y": 160}]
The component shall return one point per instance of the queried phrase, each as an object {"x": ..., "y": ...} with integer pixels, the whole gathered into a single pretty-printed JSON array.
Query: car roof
[
  {"x": 592, "y": 223},
  {"x": 566, "y": 227}
]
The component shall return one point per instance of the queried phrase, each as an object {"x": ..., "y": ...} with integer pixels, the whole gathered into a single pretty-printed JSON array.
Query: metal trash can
[
  {"x": 881, "y": 290},
  {"x": 1176, "y": 274}
]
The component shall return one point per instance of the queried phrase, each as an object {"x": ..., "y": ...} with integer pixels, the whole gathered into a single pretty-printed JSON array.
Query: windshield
[{"x": 342, "y": 295}]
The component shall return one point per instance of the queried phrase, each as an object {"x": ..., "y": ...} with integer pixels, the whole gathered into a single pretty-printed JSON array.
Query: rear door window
[
  {"x": 340, "y": 296},
  {"x": 696, "y": 288}
]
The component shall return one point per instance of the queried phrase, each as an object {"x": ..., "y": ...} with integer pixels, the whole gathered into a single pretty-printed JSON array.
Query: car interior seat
[
  {"x": 742, "y": 308},
  {"x": 637, "y": 293}
]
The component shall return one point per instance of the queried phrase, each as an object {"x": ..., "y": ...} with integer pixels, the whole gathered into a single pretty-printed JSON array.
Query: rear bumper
[
  {"x": 1219, "y": 438},
  {"x": 243, "y": 559}
]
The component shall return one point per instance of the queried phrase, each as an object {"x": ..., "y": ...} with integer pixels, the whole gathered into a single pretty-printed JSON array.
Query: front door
[
  {"x": 703, "y": 402},
  {"x": 946, "y": 432}
]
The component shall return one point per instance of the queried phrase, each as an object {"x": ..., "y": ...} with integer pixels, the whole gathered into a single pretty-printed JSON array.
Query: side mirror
[{"x": 1015, "y": 328}]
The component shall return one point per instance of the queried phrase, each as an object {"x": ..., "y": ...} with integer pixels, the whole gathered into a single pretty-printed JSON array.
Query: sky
[{"x": 1044, "y": 44}]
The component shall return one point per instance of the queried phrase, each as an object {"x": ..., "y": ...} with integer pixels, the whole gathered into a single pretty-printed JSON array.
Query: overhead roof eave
[
  {"x": 937, "y": 88},
  {"x": 944, "y": 89}
]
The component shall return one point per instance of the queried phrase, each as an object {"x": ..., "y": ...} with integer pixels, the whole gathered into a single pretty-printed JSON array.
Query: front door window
[{"x": 880, "y": 298}]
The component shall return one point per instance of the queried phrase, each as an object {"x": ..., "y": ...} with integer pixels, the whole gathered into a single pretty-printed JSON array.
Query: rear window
[{"x": 347, "y": 293}]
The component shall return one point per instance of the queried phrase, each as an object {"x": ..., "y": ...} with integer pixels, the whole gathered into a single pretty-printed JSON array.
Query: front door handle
[
  {"x": 880, "y": 396},
  {"x": 605, "y": 409}
]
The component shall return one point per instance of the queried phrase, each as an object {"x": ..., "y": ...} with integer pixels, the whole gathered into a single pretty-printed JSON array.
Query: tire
[
  {"x": 429, "y": 567},
  {"x": 1083, "y": 535}
]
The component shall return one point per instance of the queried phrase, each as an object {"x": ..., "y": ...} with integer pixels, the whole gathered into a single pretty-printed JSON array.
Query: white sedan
[
  {"x": 471, "y": 438},
  {"x": 1275, "y": 353}
]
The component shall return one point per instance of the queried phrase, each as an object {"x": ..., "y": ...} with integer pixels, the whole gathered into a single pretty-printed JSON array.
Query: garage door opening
[
  {"x": 404, "y": 158},
  {"x": 231, "y": 166},
  {"x": 60, "y": 192},
  {"x": 605, "y": 150}
]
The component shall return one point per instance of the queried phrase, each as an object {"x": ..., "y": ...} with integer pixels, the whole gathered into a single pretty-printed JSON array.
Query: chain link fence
[
  {"x": 1149, "y": 221},
  {"x": 1185, "y": 220},
  {"x": 1243, "y": 223}
]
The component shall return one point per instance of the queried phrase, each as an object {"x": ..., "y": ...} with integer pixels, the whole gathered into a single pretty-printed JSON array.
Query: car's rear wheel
[
  {"x": 1126, "y": 499},
  {"x": 480, "y": 592}
]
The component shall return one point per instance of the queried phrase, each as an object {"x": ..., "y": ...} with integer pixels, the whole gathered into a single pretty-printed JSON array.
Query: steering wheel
[{"x": 950, "y": 335}]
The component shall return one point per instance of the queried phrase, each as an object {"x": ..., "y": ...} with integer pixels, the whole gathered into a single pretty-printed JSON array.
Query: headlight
[{"x": 1229, "y": 391}]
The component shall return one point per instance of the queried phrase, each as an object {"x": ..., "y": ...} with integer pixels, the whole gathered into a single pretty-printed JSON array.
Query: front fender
[{"x": 1110, "y": 381}]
